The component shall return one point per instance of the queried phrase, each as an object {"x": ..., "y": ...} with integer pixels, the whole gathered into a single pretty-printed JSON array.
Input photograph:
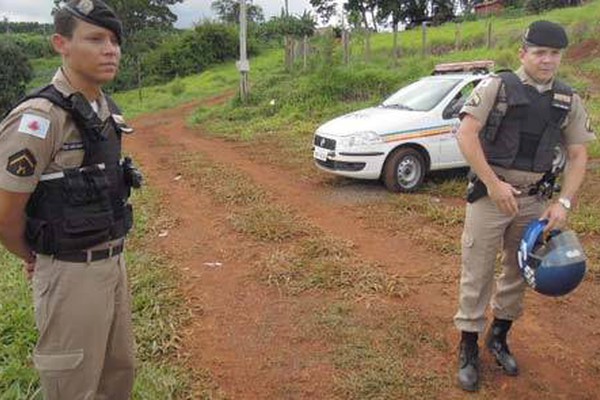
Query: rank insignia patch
[{"x": 22, "y": 163}]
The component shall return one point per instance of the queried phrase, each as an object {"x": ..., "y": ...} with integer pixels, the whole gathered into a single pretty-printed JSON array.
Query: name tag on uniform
[{"x": 34, "y": 125}]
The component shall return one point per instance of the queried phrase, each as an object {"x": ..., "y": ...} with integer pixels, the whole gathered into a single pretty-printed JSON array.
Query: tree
[
  {"x": 325, "y": 9},
  {"x": 396, "y": 11},
  {"x": 416, "y": 12},
  {"x": 228, "y": 11},
  {"x": 15, "y": 72},
  {"x": 139, "y": 14},
  {"x": 442, "y": 11},
  {"x": 362, "y": 7}
]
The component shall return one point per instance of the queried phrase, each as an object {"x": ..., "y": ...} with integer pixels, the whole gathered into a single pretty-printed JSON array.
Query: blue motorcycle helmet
[{"x": 553, "y": 266}]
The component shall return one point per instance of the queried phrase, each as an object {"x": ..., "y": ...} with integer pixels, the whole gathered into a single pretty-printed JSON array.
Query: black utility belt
[{"x": 90, "y": 255}]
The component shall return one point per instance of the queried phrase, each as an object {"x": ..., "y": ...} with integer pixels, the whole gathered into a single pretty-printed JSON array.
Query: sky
[{"x": 188, "y": 12}]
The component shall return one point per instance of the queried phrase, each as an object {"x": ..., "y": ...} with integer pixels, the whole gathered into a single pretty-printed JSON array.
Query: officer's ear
[
  {"x": 60, "y": 44},
  {"x": 522, "y": 51}
]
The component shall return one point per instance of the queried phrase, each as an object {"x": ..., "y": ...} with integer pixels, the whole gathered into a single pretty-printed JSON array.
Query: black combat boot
[
  {"x": 496, "y": 343},
  {"x": 468, "y": 362}
]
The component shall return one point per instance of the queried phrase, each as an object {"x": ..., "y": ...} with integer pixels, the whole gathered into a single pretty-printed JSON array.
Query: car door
[{"x": 449, "y": 150}]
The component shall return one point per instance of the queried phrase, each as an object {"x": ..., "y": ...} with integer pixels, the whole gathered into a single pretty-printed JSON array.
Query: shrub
[{"x": 15, "y": 72}]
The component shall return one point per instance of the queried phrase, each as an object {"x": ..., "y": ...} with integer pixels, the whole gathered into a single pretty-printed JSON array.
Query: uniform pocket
[
  {"x": 57, "y": 364},
  {"x": 58, "y": 373}
]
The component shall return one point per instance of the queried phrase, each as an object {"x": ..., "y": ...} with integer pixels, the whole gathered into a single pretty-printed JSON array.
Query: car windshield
[{"x": 422, "y": 95}]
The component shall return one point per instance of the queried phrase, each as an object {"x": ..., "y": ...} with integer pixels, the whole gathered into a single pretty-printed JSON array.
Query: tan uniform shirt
[
  {"x": 576, "y": 128},
  {"x": 38, "y": 137}
]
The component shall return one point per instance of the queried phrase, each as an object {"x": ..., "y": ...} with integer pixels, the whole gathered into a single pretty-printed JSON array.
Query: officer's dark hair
[
  {"x": 64, "y": 23},
  {"x": 526, "y": 46}
]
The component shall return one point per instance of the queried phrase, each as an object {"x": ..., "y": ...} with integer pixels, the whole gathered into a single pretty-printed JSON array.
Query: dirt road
[{"x": 381, "y": 328}]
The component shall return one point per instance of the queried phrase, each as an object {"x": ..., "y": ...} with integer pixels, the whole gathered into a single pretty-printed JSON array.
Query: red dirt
[
  {"x": 249, "y": 336},
  {"x": 586, "y": 50}
]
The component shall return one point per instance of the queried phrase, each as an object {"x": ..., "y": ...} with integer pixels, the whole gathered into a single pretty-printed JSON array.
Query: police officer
[
  {"x": 64, "y": 211},
  {"x": 510, "y": 127}
]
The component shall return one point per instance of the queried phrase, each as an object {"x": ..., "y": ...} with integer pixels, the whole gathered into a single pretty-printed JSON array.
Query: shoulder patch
[
  {"x": 22, "y": 163},
  {"x": 474, "y": 100},
  {"x": 34, "y": 125}
]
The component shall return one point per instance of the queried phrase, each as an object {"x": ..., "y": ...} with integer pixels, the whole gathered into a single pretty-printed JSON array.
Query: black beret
[
  {"x": 547, "y": 34},
  {"x": 98, "y": 13}
]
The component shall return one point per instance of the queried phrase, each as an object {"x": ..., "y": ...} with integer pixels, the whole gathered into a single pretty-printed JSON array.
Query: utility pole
[
  {"x": 288, "y": 43},
  {"x": 243, "y": 65}
]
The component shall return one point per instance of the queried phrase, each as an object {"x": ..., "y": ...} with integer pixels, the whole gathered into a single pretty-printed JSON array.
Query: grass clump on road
[
  {"x": 319, "y": 262},
  {"x": 379, "y": 353}
]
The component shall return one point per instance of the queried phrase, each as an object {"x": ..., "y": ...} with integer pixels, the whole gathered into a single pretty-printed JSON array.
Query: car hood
[{"x": 376, "y": 119}]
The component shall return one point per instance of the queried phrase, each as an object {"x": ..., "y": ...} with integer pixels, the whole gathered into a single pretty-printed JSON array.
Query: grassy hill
[{"x": 294, "y": 104}]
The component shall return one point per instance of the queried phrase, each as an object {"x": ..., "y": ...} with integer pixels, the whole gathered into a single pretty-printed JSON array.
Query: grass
[
  {"x": 44, "y": 69},
  {"x": 305, "y": 258},
  {"x": 158, "y": 314},
  {"x": 379, "y": 352},
  {"x": 321, "y": 262},
  {"x": 215, "y": 81}
]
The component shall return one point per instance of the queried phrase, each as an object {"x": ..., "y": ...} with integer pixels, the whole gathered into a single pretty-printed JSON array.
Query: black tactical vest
[
  {"x": 526, "y": 135},
  {"x": 83, "y": 206}
]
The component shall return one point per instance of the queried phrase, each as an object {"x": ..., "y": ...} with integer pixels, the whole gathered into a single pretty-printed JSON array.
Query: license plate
[{"x": 321, "y": 154}]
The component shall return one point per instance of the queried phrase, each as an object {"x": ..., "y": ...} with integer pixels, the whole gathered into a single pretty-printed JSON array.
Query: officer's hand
[
  {"x": 556, "y": 216},
  {"x": 29, "y": 266},
  {"x": 503, "y": 194}
]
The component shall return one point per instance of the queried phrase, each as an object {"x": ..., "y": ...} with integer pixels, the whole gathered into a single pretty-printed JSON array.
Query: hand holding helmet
[{"x": 553, "y": 266}]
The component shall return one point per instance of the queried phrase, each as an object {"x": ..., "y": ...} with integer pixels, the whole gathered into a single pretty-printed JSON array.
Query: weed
[
  {"x": 268, "y": 223},
  {"x": 376, "y": 353}
]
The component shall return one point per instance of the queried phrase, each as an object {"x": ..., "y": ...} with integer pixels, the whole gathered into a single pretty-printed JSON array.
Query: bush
[
  {"x": 191, "y": 52},
  {"x": 33, "y": 46},
  {"x": 15, "y": 72}
]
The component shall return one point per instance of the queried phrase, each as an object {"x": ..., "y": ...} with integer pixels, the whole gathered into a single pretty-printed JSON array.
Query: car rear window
[{"x": 422, "y": 95}]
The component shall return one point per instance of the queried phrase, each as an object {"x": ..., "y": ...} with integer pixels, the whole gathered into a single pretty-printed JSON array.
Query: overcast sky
[{"x": 188, "y": 12}]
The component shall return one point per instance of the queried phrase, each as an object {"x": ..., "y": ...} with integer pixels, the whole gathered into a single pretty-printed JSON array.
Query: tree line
[
  {"x": 155, "y": 51},
  {"x": 372, "y": 14}
]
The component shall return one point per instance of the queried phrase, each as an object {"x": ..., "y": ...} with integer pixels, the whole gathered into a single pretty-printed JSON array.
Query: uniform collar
[
  {"x": 61, "y": 82},
  {"x": 528, "y": 80}
]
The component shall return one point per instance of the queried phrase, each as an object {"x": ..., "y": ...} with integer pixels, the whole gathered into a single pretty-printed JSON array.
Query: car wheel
[{"x": 404, "y": 170}]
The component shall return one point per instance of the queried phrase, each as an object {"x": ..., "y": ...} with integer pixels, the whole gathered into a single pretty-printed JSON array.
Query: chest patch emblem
[
  {"x": 22, "y": 163},
  {"x": 34, "y": 125}
]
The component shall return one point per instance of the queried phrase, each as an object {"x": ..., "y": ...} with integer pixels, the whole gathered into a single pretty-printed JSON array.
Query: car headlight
[{"x": 360, "y": 139}]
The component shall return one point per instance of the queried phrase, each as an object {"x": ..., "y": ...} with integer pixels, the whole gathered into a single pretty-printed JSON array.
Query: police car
[{"x": 411, "y": 133}]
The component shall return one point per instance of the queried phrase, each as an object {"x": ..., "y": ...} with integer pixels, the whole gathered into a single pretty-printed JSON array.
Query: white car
[{"x": 410, "y": 133}]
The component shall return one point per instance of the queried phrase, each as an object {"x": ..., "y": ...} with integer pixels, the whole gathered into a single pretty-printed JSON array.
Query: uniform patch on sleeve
[
  {"x": 22, "y": 163},
  {"x": 34, "y": 125},
  {"x": 474, "y": 100}
]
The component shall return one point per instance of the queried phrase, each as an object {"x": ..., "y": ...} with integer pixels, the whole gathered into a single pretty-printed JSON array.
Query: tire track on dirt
[
  {"x": 245, "y": 335},
  {"x": 230, "y": 293}
]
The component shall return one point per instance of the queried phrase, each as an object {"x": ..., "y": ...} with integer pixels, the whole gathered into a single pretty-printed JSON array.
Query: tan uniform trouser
[
  {"x": 486, "y": 231},
  {"x": 83, "y": 316}
]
